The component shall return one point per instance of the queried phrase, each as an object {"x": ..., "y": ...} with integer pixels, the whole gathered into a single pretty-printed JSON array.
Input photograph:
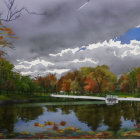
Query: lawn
[
  {"x": 15, "y": 96},
  {"x": 46, "y": 97}
]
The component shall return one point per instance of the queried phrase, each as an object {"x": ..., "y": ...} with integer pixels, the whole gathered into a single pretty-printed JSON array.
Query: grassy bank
[
  {"x": 21, "y": 96},
  {"x": 32, "y": 98}
]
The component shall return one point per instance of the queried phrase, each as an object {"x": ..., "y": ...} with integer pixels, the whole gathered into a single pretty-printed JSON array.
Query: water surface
[{"x": 86, "y": 115}]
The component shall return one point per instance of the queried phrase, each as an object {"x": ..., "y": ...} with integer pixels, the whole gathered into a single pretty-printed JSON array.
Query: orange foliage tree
[
  {"x": 91, "y": 86},
  {"x": 59, "y": 85},
  {"x": 6, "y": 36},
  {"x": 124, "y": 83},
  {"x": 66, "y": 85}
]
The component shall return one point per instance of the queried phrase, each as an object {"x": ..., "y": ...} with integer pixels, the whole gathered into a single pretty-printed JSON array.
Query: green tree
[
  {"x": 74, "y": 87},
  {"x": 133, "y": 80},
  {"x": 102, "y": 75},
  {"x": 5, "y": 73},
  {"x": 85, "y": 71}
]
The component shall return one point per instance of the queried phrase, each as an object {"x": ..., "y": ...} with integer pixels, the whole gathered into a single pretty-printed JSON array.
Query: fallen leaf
[
  {"x": 36, "y": 124},
  {"x": 63, "y": 123},
  {"x": 25, "y": 133}
]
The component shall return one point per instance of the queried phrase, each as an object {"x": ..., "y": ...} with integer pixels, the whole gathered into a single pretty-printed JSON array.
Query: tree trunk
[{"x": 100, "y": 89}]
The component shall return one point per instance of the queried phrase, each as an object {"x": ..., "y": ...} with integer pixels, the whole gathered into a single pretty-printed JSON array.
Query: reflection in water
[
  {"x": 87, "y": 117},
  {"x": 8, "y": 117},
  {"x": 27, "y": 114}
]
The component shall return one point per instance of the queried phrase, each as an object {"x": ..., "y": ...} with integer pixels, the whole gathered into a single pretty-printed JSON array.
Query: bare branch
[
  {"x": 13, "y": 12},
  {"x": 33, "y": 13},
  {"x": 7, "y": 4}
]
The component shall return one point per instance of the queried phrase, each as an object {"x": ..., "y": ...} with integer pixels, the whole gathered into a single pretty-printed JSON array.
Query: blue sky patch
[
  {"x": 132, "y": 34},
  {"x": 83, "y": 48}
]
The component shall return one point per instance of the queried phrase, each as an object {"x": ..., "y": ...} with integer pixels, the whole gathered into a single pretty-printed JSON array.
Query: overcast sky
[{"x": 75, "y": 33}]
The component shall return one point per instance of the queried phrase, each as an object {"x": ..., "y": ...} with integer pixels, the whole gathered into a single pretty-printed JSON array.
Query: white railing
[
  {"x": 78, "y": 97},
  {"x": 111, "y": 99}
]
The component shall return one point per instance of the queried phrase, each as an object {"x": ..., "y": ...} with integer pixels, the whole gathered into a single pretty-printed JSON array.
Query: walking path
[
  {"x": 94, "y": 98},
  {"x": 78, "y": 97},
  {"x": 129, "y": 99}
]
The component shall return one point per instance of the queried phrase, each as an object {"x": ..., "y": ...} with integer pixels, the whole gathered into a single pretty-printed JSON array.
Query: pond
[{"x": 78, "y": 119}]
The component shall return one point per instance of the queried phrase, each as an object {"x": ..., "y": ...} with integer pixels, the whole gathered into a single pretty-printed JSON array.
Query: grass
[
  {"x": 4, "y": 98},
  {"x": 121, "y": 94},
  {"x": 37, "y": 97},
  {"x": 15, "y": 96},
  {"x": 33, "y": 98}
]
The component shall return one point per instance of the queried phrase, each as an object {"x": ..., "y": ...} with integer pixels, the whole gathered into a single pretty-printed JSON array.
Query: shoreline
[
  {"x": 3, "y": 102},
  {"x": 18, "y": 101}
]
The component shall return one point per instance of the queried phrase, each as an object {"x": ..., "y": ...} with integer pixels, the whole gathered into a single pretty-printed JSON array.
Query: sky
[{"x": 75, "y": 33}]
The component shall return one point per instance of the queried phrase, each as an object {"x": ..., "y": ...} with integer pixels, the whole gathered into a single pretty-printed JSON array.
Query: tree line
[
  {"x": 99, "y": 80},
  {"x": 86, "y": 80}
]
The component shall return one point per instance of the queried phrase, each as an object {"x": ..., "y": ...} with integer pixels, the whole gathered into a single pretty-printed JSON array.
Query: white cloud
[
  {"x": 131, "y": 52},
  {"x": 138, "y": 26},
  {"x": 57, "y": 71},
  {"x": 22, "y": 67},
  {"x": 119, "y": 57},
  {"x": 22, "y": 63},
  {"x": 65, "y": 51},
  {"x": 27, "y": 73},
  {"x": 37, "y": 61},
  {"x": 84, "y": 61}
]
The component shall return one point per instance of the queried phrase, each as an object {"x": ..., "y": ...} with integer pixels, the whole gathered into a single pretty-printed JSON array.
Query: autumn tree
[
  {"x": 85, "y": 71},
  {"x": 91, "y": 85},
  {"x": 59, "y": 85},
  {"x": 66, "y": 85},
  {"x": 47, "y": 82},
  {"x": 53, "y": 80},
  {"x": 101, "y": 75},
  {"x": 6, "y": 36},
  {"x": 130, "y": 82},
  {"x": 137, "y": 70},
  {"x": 75, "y": 86}
]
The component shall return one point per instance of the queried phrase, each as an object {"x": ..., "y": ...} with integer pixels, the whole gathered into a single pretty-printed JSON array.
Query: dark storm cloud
[{"x": 64, "y": 26}]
